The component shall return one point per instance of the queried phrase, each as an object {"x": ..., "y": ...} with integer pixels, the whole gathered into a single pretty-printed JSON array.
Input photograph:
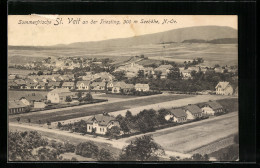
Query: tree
[
  {"x": 124, "y": 126},
  {"x": 59, "y": 125},
  {"x": 39, "y": 73},
  {"x": 113, "y": 132},
  {"x": 18, "y": 119},
  {"x": 68, "y": 99},
  {"x": 128, "y": 115},
  {"x": 88, "y": 97},
  {"x": 105, "y": 155},
  {"x": 174, "y": 73},
  {"x": 142, "y": 149},
  {"x": 79, "y": 95},
  {"x": 140, "y": 74},
  {"x": 120, "y": 75},
  {"x": 49, "y": 124},
  {"x": 87, "y": 149},
  {"x": 29, "y": 120}
]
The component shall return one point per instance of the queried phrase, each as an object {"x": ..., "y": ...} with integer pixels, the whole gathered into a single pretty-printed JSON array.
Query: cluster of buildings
[
  {"x": 101, "y": 123},
  {"x": 131, "y": 70},
  {"x": 192, "y": 111}
]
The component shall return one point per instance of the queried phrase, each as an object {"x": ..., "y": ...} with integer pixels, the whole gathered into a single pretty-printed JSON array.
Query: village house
[
  {"x": 224, "y": 88},
  {"x": 53, "y": 85},
  {"x": 56, "y": 79},
  {"x": 110, "y": 86},
  {"x": 83, "y": 85},
  {"x": 193, "y": 112},
  {"x": 186, "y": 73},
  {"x": 179, "y": 115},
  {"x": 31, "y": 86},
  {"x": 68, "y": 85},
  {"x": 59, "y": 95},
  {"x": 41, "y": 85},
  {"x": 21, "y": 83},
  {"x": 16, "y": 107},
  {"x": 212, "y": 108},
  {"x": 142, "y": 87},
  {"x": 122, "y": 87},
  {"x": 163, "y": 69},
  {"x": 98, "y": 86},
  {"x": 117, "y": 87},
  {"x": 12, "y": 85},
  {"x": 219, "y": 70},
  {"x": 101, "y": 123},
  {"x": 30, "y": 99}
]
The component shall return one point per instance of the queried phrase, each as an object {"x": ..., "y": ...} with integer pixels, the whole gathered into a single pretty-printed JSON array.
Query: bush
[{"x": 87, "y": 149}]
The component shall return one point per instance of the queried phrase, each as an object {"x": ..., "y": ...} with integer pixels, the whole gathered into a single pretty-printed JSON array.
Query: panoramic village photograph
[{"x": 122, "y": 88}]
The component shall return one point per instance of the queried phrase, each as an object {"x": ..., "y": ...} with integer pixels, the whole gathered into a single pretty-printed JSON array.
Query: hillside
[{"x": 204, "y": 33}]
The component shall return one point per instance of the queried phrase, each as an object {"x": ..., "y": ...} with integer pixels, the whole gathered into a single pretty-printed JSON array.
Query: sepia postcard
[{"x": 89, "y": 88}]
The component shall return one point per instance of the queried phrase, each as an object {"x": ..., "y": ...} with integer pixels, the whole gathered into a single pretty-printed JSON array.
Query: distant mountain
[
  {"x": 202, "y": 33},
  {"x": 215, "y": 41}
]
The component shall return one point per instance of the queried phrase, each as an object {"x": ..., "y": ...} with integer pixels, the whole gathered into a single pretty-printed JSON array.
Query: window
[{"x": 100, "y": 130}]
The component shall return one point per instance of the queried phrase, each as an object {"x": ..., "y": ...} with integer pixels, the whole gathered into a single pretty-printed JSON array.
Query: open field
[
  {"x": 20, "y": 71},
  {"x": 13, "y": 95},
  {"x": 95, "y": 109},
  {"x": 223, "y": 54},
  {"x": 189, "y": 137}
]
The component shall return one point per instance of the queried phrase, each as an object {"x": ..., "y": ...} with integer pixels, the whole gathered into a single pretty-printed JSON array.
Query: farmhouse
[
  {"x": 31, "y": 86},
  {"x": 68, "y": 85},
  {"x": 98, "y": 85},
  {"x": 12, "y": 85},
  {"x": 163, "y": 69},
  {"x": 41, "y": 85},
  {"x": 15, "y": 107},
  {"x": 83, "y": 85},
  {"x": 117, "y": 87},
  {"x": 101, "y": 123},
  {"x": 212, "y": 108},
  {"x": 193, "y": 111},
  {"x": 53, "y": 85},
  {"x": 186, "y": 73},
  {"x": 30, "y": 99},
  {"x": 179, "y": 115},
  {"x": 224, "y": 88},
  {"x": 142, "y": 87},
  {"x": 59, "y": 95}
]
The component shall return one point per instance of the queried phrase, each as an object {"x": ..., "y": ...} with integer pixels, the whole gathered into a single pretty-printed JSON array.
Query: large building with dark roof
[
  {"x": 212, "y": 108},
  {"x": 101, "y": 123},
  {"x": 179, "y": 115},
  {"x": 193, "y": 111}
]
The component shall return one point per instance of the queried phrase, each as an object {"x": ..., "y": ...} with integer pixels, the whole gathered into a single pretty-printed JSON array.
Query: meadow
[
  {"x": 223, "y": 54},
  {"x": 63, "y": 114}
]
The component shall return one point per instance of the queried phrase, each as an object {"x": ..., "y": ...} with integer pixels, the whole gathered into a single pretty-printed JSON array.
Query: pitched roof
[
  {"x": 41, "y": 83},
  {"x": 139, "y": 85},
  {"x": 53, "y": 84},
  {"x": 33, "y": 97},
  {"x": 60, "y": 90},
  {"x": 98, "y": 84},
  {"x": 101, "y": 119},
  {"x": 84, "y": 82},
  {"x": 68, "y": 84},
  {"x": 222, "y": 84},
  {"x": 163, "y": 67},
  {"x": 214, "y": 105},
  {"x": 16, "y": 104},
  {"x": 178, "y": 112},
  {"x": 194, "y": 109},
  {"x": 20, "y": 82}
]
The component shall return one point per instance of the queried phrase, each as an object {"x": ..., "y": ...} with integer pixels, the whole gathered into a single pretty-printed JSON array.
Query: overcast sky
[{"x": 44, "y": 35}]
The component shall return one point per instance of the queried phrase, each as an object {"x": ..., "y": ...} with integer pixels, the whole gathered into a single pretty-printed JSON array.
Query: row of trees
[{"x": 199, "y": 81}]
